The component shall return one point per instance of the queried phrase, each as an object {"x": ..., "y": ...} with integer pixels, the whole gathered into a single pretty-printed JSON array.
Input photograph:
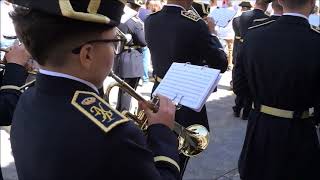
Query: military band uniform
[
  {"x": 237, "y": 37},
  {"x": 129, "y": 64},
  {"x": 281, "y": 141},
  {"x": 10, "y": 82},
  {"x": 176, "y": 35},
  {"x": 245, "y": 21},
  {"x": 271, "y": 18},
  {"x": 91, "y": 146},
  {"x": 63, "y": 130},
  {"x": 247, "y": 18},
  {"x": 240, "y": 102}
]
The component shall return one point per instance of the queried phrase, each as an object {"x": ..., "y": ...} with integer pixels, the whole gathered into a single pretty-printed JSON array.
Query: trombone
[{"x": 192, "y": 140}]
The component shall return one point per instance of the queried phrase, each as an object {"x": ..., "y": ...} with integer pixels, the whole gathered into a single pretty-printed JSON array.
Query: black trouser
[
  {"x": 242, "y": 102},
  {"x": 183, "y": 164},
  {"x": 183, "y": 160},
  {"x": 1, "y": 178},
  {"x": 124, "y": 99}
]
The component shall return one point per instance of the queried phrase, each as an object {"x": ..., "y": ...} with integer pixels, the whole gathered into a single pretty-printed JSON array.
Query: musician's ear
[{"x": 86, "y": 56}]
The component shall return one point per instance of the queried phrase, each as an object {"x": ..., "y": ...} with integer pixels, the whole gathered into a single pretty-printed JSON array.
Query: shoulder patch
[
  {"x": 315, "y": 28},
  {"x": 259, "y": 20},
  {"x": 190, "y": 15},
  {"x": 97, "y": 110},
  {"x": 262, "y": 24}
]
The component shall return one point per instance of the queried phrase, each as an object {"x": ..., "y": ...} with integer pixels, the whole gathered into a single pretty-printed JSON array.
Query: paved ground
[{"x": 227, "y": 134}]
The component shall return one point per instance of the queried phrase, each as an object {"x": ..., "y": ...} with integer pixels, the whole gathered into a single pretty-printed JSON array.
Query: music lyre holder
[{"x": 177, "y": 104}]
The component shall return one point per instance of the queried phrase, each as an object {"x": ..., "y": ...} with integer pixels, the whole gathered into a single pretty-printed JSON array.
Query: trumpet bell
[
  {"x": 196, "y": 140},
  {"x": 192, "y": 140}
]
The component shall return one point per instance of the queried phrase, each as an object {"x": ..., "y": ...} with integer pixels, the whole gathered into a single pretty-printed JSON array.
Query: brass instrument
[
  {"x": 3, "y": 64},
  {"x": 32, "y": 72},
  {"x": 192, "y": 140}
]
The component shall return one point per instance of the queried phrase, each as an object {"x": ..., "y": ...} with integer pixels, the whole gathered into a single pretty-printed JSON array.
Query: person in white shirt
[
  {"x": 314, "y": 18},
  {"x": 226, "y": 33}
]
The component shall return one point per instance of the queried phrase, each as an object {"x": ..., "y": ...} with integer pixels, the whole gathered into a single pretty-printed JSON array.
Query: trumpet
[
  {"x": 3, "y": 64},
  {"x": 192, "y": 140}
]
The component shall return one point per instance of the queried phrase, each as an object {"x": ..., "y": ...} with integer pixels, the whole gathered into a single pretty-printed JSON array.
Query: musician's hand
[
  {"x": 165, "y": 115},
  {"x": 211, "y": 24},
  {"x": 17, "y": 54}
]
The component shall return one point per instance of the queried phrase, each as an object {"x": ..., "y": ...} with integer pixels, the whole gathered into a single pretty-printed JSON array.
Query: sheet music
[
  {"x": 128, "y": 13},
  {"x": 189, "y": 85},
  {"x": 222, "y": 16}
]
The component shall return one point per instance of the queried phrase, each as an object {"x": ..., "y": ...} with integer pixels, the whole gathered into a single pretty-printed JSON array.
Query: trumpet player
[
  {"x": 62, "y": 129},
  {"x": 11, "y": 79}
]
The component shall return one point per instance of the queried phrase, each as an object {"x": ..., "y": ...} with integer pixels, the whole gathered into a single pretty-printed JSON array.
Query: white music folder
[
  {"x": 222, "y": 16},
  {"x": 189, "y": 85}
]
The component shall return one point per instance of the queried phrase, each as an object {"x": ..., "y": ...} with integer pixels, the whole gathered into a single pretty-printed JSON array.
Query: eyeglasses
[{"x": 118, "y": 45}]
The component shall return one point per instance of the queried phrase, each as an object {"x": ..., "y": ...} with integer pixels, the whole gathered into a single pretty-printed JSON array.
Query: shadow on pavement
[
  {"x": 219, "y": 161},
  {"x": 9, "y": 172},
  {"x": 226, "y": 138}
]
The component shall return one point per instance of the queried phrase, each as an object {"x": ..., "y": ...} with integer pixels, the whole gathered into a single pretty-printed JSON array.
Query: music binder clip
[
  {"x": 178, "y": 105},
  {"x": 205, "y": 66},
  {"x": 187, "y": 63}
]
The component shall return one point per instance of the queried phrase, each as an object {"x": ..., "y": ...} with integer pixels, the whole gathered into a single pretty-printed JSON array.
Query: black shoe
[
  {"x": 245, "y": 114},
  {"x": 244, "y": 117},
  {"x": 236, "y": 111},
  {"x": 231, "y": 86}
]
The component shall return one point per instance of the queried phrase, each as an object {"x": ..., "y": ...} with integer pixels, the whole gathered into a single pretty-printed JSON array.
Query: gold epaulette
[
  {"x": 259, "y": 20},
  {"x": 315, "y": 28},
  {"x": 191, "y": 15},
  {"x": 262, "y": 24},
  {"x": 97, "y": 110}
]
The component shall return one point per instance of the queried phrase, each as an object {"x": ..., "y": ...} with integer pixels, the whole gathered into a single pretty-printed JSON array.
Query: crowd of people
[{"x": 62, "y": 128}]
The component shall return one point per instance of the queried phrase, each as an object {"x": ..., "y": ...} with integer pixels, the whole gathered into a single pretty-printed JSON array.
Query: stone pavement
[{"x": 218, "y": 162}]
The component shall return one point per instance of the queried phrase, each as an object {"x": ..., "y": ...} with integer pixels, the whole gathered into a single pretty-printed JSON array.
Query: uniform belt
[
  {"x": 284, "y": 113},
  {"x": 157, "y": 78}
]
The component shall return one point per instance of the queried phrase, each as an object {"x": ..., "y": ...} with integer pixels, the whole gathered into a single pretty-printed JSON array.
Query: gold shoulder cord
[{"x": 263, "y": 24}]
